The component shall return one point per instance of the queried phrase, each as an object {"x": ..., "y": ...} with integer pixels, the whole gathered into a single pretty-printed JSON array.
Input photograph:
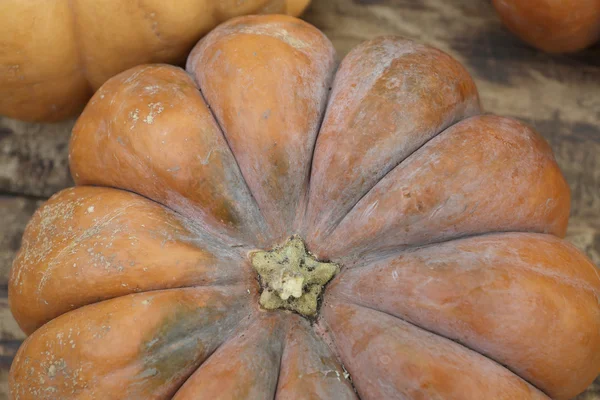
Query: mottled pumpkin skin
[
  {"x": 447, "y": 224},
  {"x": 55, "y": 54},
  {"x": 554, "y": 26}
]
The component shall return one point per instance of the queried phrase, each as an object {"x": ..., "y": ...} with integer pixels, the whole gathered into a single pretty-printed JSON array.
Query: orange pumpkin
[
  {"x": 55, "y": 54},
  {"x": 554, "y": 26},
  {"x": 257, "y": 227}
]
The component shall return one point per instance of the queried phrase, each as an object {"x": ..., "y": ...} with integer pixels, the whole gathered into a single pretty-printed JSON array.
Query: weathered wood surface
[
  {"x": 33, "y": 157},
  {"x": 559, "y": 95}
]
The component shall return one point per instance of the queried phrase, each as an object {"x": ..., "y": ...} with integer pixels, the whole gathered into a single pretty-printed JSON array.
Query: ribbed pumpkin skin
[
  {"x": 554, "y": 26},
  {"x": 447, "y": 224},
  {"x": 55, "y": 54}
]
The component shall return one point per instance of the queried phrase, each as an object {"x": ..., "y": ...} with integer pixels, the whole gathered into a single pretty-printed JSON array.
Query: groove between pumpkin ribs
[
  {"x": 392, "y": 168},
  {"x": 284, "y": 340},
  {"x": 241, "y": 325},
  {"x": 329, "y": 341},
  {"x": 222, "y": 132},
  {"x": 226, "y": 283},
  {"x": 79, "y": 46},
  {"x": 358, "y": 304},
  {"x": 386, "y": 253},
  {"x": 314, "y": 145}
]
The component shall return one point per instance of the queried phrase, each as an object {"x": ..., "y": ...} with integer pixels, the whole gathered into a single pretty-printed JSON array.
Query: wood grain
[
  {"x": 558, "y": 95},
  {"x": 16, "y": 212},
  {"x": 34, "y": 157}
]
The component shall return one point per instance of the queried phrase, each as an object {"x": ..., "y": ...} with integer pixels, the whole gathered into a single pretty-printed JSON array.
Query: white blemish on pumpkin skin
[
  {"x": 371, "y": 208},
  {"x": 152, "y": 89},
  {"x": 155, "y": 110},
  {"x": 134, "y": 115},
  {"x": 274, "y": 30},
  {"x": 207, "y": 158},
  {"x": 89, "y": 233}
]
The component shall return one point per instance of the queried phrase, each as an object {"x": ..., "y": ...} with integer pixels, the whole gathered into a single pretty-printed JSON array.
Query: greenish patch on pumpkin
[
  {"x": 292, "y": 278},
  {"x": 181, "y": 342},
  {"x": 227, "y": 213}
]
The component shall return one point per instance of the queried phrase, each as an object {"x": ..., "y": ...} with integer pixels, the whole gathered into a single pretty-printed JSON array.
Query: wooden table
[{"x": 558, "y": 95}]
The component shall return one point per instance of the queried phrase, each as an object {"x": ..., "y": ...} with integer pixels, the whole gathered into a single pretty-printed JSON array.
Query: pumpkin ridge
[
  {"x": 174, "y": 347},
  {"x": 201, "y": 249},
  {"x": 299, "y": 369},
  {"x": 211, "y": 210},
  {"x": 394, "y": 216},
  {"x": 495, "y": 294},
  {"x": 390, "y": 67},
  {"x": 194, "y": 226},
  {"x": 408, "y": 156},
  {"x": 354, "y": 347},
  {"x": 358, "y": 304},
  {"x": 93, "y": 230},
  {"x": 221, "y": 310},
  {"x": 259, "y": 336},
  {"x": 193, "y": 222},
  {"x": 274, "y": 149}
]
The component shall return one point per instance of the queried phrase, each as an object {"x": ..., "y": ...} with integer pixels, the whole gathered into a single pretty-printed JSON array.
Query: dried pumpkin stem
[{"x": 291, "y": 277}]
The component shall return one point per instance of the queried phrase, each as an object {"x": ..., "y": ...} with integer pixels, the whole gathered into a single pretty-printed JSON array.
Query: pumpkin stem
[{"x": 291, "y": 277}]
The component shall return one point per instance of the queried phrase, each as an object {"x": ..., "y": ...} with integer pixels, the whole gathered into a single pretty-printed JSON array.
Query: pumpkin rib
[
  {"x": 310, "y": 365},
  {"x": 389, "y": 171},
  {"x": 107, "y": 340},
  {"x": 197, "y": 229},
  {"x": 335, "y": 300},
  {"x": 76, "y": 208},
  {"x": 517, "y": 278},
  {"x": 193, "y": 221},
  {"x": 244, "y": 365},
  {"x": 274, "y": 145},
  {"x": 385, "y": 103},
  {"x": 242, "y": 326},
  {"x": 222, "y": 132},
  {"x": 458, "y": 343},
  {"x": 208, "y": 188},
  {"x": 413, "y": 205}
]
